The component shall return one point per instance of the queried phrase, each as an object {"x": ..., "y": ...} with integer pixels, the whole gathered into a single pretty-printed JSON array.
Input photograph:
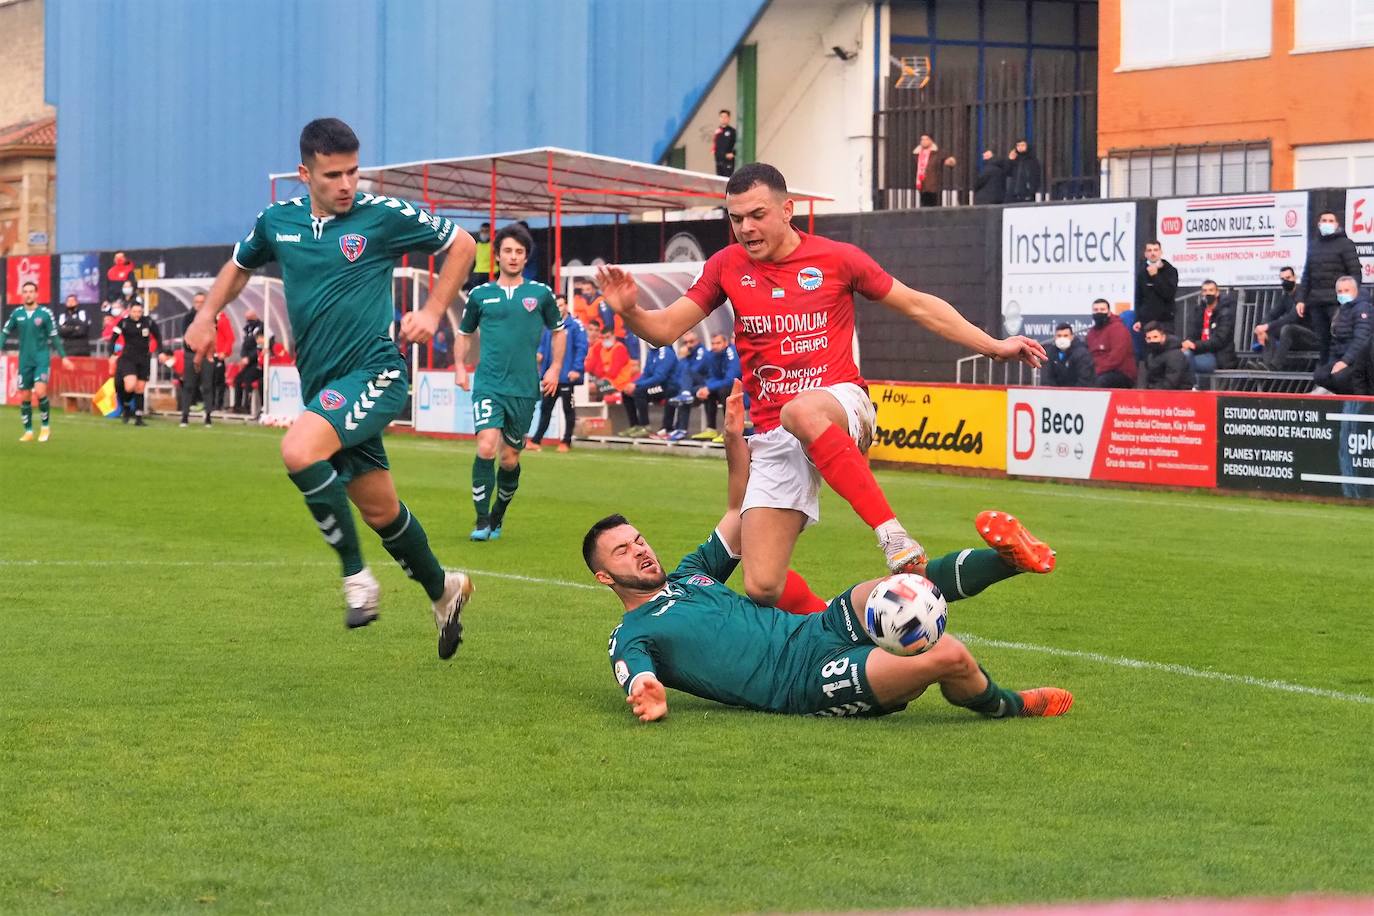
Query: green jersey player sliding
[
  {"x": 687, "y": 631},
  {"x": 337, "y": 248}
]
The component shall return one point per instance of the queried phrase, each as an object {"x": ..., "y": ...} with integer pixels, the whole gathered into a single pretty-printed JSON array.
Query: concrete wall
[{"x": 21, "y": 89}]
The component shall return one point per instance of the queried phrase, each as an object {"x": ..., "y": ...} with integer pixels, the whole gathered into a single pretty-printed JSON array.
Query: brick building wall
[{"x": 21, "y": 90}]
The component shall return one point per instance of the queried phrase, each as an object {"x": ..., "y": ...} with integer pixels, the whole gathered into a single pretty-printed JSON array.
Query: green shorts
[
  {"x": 506, "y": 412},
  {"x": 359, "y": 406},
  {"x": 30, "y": 376},
  {"x": 834, "y": 681}
]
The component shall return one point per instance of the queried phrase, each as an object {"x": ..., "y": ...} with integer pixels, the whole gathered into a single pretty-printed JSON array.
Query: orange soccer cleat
[
  {"x": 1045, "y": 701},
  {"x": 1014, "y": 543}
]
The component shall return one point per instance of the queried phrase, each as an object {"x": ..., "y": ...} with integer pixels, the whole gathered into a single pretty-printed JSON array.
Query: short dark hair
[
  {"x": 327, "y": 136},
  {"x": 1063, "y": 326},
  {"x": 1330, "y": 213},
  {"x": 594, "y": 535},
  {"x": 1155, "y": 326},
  {"x": 756, "y": 173},
  {"x": 27, "y": 283},
  {"x": 1104, "y": 302},
  {"x": 1211, "y": 281},
  {"x": 725, "y": 111},
  {"x": 1287, "y": 267},
  {"x": 515, "y": 231},
  {"x": 1153, "y": 242}
]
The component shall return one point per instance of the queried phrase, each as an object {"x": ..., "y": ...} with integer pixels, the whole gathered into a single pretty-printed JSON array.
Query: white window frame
[
  {"x": 1348, "y": 151},
  {"x": 1332, "y": 45},
  {"x": 1166, "y": 8}
]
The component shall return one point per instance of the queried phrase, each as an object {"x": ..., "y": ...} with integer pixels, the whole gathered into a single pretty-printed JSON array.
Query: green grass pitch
[{"x": 186, "y": 726}]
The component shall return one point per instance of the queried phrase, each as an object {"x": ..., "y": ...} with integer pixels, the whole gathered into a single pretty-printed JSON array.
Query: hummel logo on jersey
[
  {"x": 747, "y": 280},
  {"x": 288, "y": 237},
  {"x": 491, "y": 301},
  {"x": 352, "y": 245}
]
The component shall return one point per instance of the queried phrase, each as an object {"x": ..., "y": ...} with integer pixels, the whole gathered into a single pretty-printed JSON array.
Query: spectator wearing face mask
[
  {"x": 1156, "y": 285},
  {"x": 74, "y": 327},
  {"x": 1283, "y": 329},
  {"x": 1166, "y": 365},
  {"x": 1070, "y": 364},
  {"x": 1111, "y": 347},
  {"x": 120, "y": 280},
  {"x": 1211, "y": 341},
  {"x": 481, "y": 266},
  {"x": 1351, "y": 330},
  {"x": 1330, "y": 256}
]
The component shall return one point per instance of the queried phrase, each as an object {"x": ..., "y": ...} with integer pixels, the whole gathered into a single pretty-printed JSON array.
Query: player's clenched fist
[
  {"x": 418, "y": 327},
  {"x": 648, "y": 700}
]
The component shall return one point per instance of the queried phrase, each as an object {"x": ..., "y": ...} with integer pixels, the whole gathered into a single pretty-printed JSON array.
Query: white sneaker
[
  {"x": 361, "y": 594},
  {"x": 904, "y": 553},
  {"x": 448, "y": 612}
]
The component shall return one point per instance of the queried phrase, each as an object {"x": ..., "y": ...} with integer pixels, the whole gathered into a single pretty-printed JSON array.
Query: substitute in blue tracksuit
[
  {"x": 654, "y": 385},
  {"x": 574, "y": 356},
  {"x": 720, "y": 372}
]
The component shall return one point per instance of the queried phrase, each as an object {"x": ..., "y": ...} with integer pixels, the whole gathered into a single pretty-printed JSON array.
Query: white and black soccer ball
[{"x": 905, "y": 614}]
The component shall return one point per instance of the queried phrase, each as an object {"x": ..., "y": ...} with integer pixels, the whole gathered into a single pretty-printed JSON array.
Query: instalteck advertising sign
[
  {"x": 1241, "y": 240},
  {"x": 1057, "y": 260},
  {"x": 1157, "y": 437}
]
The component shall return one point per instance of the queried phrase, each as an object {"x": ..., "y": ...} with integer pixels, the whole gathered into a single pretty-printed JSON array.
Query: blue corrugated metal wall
[{"x": 172, "y": 112}]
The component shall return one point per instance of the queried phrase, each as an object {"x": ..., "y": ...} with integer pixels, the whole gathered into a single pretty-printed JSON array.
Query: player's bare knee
[
  {"x": 763, "y": 589},
  {"x": 296, "y": 453},
  {"x": 955, "y": 659}
]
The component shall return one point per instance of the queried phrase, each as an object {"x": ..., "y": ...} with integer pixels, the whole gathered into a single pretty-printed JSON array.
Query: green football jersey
[
  {"x": 511, "y": 319},
  {"x": 336, "y": 271},
  {"x": 37, "y": 332},
  {"x": 698, "y": 636}
]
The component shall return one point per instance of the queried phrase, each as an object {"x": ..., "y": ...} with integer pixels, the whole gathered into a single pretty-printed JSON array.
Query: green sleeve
[
  {"x": 548, "y": 308},
  {"x": 412, "y": 228},
  {"x": 8, "y": 330},
  {"x": 53, "y": 337},
  {"x": 630, "y": 656},
  {"x": 256, "y": 248},
  {"x": 472, "y": 315},
  {"x": 713, "y": 558}
]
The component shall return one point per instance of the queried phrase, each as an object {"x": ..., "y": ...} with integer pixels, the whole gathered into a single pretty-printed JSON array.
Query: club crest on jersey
[
  {"x": 331, "y": 399},
  {"x": 352, "y": 245},
  {"x": 809, "y": 278},
  {"x": 700, "y": 580},
  {"x": 747, "y": 280},
  {"x": 530, "y": 303}
]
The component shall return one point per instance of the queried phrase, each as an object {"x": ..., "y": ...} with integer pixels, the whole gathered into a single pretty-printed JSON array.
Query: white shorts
[{"x": 781, "y": 475}]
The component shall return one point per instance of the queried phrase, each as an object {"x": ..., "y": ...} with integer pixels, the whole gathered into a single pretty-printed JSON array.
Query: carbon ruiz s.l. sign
[{"x": 1057, "y": 260}]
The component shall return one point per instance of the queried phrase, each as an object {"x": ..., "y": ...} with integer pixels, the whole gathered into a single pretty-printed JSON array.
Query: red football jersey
[{"x": 794, "y": 319}]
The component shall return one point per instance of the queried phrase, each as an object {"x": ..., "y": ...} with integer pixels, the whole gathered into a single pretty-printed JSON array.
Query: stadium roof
[{"x": 545, "y": 181}]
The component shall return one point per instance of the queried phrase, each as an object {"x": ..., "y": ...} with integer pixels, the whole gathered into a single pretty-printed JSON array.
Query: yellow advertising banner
[{"x": 931, "y": 424}]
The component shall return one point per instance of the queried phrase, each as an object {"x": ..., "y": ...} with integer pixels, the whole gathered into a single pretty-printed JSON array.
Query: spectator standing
[
  {"x": 1023, "y": 176},
  {"x": 722, "y": 370},
  {"x": 1211, "y": 341},
  {"x": 120, "y": 275},
  {"x": 723, "y": 145},
  {"x": 586, "y": 303},
  {"x": 481, "y": 265},
  {"x": 1330, "y": 256},
  {"x": 654, "y": 385},
  {"x": 1156, "y": 285},
  {"x": 928, "y": 183},
  {"x": 1351, "y": 329},
  {"x": 74, "y": 327},
  {"x": 574, "y": 357},
  {"x": 1070, "y": 364},
  {"x": 991, "y": 185},
  {"x": 249, "y": 374},
  {"x": 1166, "y": 365},
  {"x": 198, "y": 375},
  {"x": 1112, "y": 351}
]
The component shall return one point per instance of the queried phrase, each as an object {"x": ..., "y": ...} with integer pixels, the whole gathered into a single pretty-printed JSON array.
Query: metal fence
[{"x": 1055, "y": 110}]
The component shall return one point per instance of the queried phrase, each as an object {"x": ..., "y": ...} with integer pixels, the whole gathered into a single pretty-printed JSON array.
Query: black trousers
[
  {"x": 1343, "y": 382},
  {"x": 1115, "y": 379},
  {"x": 642, "y": 398},
  {"x": 725, "y": 167},
  {"x": 930, "y": 198},
  {"x": 565, "y": 394},
  {"x": 243, "y": 385},
  {"x": 197, "y": 383},
  {"x": 712, "y": 402},
  {"x": 1289, "y": 338},
  {"x": 1320, "y": 314}
]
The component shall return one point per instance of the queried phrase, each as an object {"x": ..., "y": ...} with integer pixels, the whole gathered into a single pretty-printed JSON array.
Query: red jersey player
[{"x": 793, "y": 296}]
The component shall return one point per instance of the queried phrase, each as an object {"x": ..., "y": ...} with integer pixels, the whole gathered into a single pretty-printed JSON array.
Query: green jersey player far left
[
  {"x": 36, "y": 329},
  {"x": 337, "y": 248}
]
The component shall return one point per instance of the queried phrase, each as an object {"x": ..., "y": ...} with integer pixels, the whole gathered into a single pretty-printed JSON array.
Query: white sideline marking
[
  {"x": 1184, "y": 670},
  {"x": 1115, "y": 661}
]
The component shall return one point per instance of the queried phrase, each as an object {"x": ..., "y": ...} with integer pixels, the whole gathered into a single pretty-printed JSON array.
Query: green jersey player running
[
  {"x": 36, "y": 329},
  {"x": 510, "y": 313},
  {"x": 687, "y": 631},
  {"x": 337, "y": 248}
]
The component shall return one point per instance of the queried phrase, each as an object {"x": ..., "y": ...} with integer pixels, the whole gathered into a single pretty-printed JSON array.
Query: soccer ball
[{"x": 905, "y": 614}]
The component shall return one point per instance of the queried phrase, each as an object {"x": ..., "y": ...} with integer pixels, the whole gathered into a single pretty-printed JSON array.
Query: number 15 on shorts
[{"x": 481, "y": 410}]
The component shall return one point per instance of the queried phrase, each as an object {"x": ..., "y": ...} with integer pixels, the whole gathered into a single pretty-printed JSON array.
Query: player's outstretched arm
[
  {"x": 419, "y": 326},
  {"x": 937, "y": 315},
  {"x": 229, "y": 282},
  {"x": 660, "y": 327},
  {"x": 648, "y": 699}
]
